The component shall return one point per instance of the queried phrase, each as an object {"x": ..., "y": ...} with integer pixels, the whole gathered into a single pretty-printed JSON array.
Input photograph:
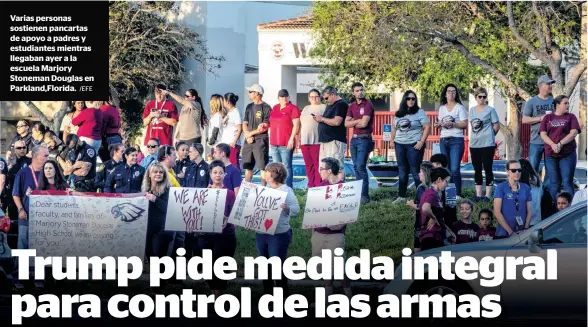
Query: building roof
[{"x": 298, "y": 23}]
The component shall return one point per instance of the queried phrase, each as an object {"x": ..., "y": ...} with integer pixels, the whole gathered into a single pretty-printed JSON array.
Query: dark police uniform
[
  {"x": 86, "y": 153},
  {"x": 28, "y": 141},
  {"x": 180, "y": 164},
  {"x": 197, "y": 175},
  {"x": 4, "y": 171},
  {"x": 125, "y": 179},
  {"x": 103, "y": 171},
  {"x": 59, "y": 150}
]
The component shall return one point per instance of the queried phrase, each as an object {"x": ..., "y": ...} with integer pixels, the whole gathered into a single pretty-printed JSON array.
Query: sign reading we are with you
[
  {"x": 258, "y": 208},
  {"x": 199, "y": 210}
]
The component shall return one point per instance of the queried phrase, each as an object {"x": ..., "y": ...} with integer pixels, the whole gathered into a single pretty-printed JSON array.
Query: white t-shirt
[
  {"x": 216, "y": 121},
  {"x": 231, "y": 121},
  {"x": 579, "y": 196},
  {"x": 458, "y": 114}
]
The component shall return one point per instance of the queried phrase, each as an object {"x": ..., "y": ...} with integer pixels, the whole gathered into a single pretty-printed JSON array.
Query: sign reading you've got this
[
  {"x": 196, "y": 210},
  {"x": 258, "y": 208},
  {"x": 332, "y": 205}
]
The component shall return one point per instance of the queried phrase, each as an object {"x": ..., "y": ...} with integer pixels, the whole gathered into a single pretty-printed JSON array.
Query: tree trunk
[
  {"x": 512, "y": 131},
  {"x": 54, "y": 123},
  {"x": 582, "y": 110}
]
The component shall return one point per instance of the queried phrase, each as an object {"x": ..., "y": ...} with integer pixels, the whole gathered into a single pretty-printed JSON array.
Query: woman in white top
[
  {"x": 66, "y": 126},
  {"x": 452, "y": 119},
  {"x": 217, "y": 116},
  {"x": 232, "y": 128},
  {"x": 308, "y": 137}
]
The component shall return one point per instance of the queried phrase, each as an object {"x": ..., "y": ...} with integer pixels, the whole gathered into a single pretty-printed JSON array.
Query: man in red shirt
[
  {"x": 160, "y": 116},
  {"x": 360, "y": 117},
  {"x": 284, "y": 127}
]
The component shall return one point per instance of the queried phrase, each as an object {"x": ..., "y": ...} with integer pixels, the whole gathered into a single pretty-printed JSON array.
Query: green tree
[
  {"x": 145, "y": 49},
  {"x": 428, "y": 44}
]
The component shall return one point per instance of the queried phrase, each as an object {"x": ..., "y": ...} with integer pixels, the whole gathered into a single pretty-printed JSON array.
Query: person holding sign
[
  {"x": 156, "y": 188},
  {"x": 126, "y": 178},
  {"x": 52, "y": 179},
  {"x": 332, "y": 237},
  {"x": 225, "y": 243},
  {"x": 277, "y": 244}
]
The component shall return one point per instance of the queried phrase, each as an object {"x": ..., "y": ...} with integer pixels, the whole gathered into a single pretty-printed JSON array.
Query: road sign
[{"x": 387, "y": 135}]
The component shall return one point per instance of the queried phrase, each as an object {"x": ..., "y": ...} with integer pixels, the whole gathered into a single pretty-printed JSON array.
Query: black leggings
[{"x": 483, "y": 157}]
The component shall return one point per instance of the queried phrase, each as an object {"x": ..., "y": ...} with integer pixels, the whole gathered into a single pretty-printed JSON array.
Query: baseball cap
[
  {"x": 283, "y": 93},
  {"x": 255, "y": 88},
  {"x": 544, "y": 79}
]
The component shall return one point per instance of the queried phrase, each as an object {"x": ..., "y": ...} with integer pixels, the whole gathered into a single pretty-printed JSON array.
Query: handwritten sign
[
  {"x": 258, "y": 208},
  {"x": 332, "y": 205},
  {"x": 87, "y": 225},
  {"x": 199, "y": 210}
]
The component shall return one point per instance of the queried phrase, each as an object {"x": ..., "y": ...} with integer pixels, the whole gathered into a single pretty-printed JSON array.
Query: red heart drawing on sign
[{"x": 268, "y": 224}]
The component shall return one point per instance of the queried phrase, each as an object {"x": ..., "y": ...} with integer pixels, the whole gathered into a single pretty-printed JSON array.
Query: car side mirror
[{"x": 535, "y": 239}]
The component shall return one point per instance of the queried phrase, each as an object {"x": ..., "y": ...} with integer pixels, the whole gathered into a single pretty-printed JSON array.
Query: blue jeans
[
  {"x": 453, "y": 148},
  {"x": 360, "y": 150},
  {"x": 561, "y": 173},
  {"x": 409, "y": 160},
  {"x": 274, "y": 246},
  {"x": 283, "y": 155},
  {"x": 535, "y": 155},
  {"x": 23, "y": 237}
]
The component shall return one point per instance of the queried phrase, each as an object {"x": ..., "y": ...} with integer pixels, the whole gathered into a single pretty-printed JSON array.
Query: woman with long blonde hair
[
  {"x": 217, "y": 114},
  {"x": 156, "y": 187}
]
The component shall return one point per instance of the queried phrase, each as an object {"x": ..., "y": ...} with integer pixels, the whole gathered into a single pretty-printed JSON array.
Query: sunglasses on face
[
  {"x": 515, "y": 170},
  {"x": 482, "y": 97},
  {"x": 152, "y": 146},
  {"x": 410, "y": 99},
  {"x": 482, "y": 219},
  {"x": 20, "y": 147},
  {"x": 451, "y": 92}
]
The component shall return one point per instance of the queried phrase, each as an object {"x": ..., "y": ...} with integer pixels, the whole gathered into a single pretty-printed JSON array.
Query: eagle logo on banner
[{"x": 127, "y": 212}]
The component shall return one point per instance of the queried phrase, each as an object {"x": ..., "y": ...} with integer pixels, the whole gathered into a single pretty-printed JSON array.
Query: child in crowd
[
  {"x": 465, "y": 230},
  {"x": 425, "y": 177},
  {"x": 486, "y": 232}
]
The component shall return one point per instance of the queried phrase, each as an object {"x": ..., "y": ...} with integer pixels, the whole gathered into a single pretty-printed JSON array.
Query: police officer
[
  {"x": 18, "y": 161},
  {"x": 116, "y": 153},
  {"x": 197, "y": 174},
  {"x": 126, "y": 178},
  {"x": 56, "y": 147},
  {"x": 84, "y": 166}
]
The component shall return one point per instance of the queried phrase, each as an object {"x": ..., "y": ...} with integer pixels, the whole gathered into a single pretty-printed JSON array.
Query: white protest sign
[
  {"x": 200, "y": 210},
  {"x": 332, "y": 205},
  {"x": 101, "y": 225},
  {"x": 257, "y": 208}
]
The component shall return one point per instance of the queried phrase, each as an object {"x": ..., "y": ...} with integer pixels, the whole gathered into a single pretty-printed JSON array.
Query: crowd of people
[{"x": 173, "y": 155}]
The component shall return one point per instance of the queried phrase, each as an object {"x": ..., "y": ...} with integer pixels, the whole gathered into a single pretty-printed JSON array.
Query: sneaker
[
  {"x": 486, "y": 199},
  {"x": 399, "y": 200},
  {"x": 457, "y": 197}
]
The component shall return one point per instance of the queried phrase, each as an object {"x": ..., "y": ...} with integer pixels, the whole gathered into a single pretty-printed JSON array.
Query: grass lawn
[{"x": 383, "y": 228}]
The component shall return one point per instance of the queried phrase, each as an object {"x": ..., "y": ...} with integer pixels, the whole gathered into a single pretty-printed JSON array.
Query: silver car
[{"x": 564, "y": 298}]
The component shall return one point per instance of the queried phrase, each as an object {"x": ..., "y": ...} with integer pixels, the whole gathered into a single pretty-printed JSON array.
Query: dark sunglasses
[
  {"x": 481, "y": 219},
  {"x": 152, "y": 146},
  {"x": 410, "y": 99},
  {"x": 20, "y": 147},
  {"x": 515, "y": 170},
  {"x": 482, "y": 97}
]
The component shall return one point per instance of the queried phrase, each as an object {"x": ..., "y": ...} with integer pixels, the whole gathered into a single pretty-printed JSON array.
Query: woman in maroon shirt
[
  {"x": 558, "y": 130},
  {"x": 90, "y": 124},
  {"x": 52, "y": 179}
]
